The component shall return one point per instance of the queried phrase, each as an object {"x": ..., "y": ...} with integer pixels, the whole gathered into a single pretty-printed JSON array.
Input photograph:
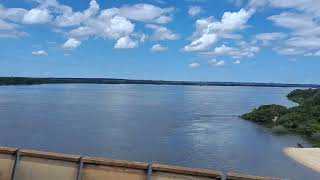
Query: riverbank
[
  {"x": 309, "y": 157},
  {"x": 303, "y": 119}
]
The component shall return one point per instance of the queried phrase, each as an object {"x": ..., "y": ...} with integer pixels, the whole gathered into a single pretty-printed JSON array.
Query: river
[{"x": 194, "y": 126}]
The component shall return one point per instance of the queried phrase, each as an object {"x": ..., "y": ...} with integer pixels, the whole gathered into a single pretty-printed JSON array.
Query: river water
[{"x": 194, "y": 126}]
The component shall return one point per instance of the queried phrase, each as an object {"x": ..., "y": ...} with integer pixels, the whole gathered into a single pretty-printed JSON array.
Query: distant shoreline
[{"x": 37, "y": 81}]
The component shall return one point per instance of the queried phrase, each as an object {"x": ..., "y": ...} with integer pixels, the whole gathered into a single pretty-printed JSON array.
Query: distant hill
[{"x": 33, "y": 81}]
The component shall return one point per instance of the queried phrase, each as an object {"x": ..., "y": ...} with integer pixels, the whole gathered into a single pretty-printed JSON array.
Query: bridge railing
[{"x": 22, "y": 164}]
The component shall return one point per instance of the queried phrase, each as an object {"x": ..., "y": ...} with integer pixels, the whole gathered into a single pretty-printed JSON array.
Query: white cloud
[
  {"x": 301, "y": 18},
  {"x": 289, "y": 51},
  {"x": 194, "y": 10},
  {"x": 158, "y": 48},
  {"x": 162, "y": 33},
  {"x": 202, "y": 43},
  {"x": 40, "y": 53},
  {"x": 214, "y": 62},
  {"x": 143, "y": 38},
  {"x": 37, "y": 16},
  {"x": 266, "y": 38},
  {"x": 12, "y": 14},
  {"x": 244, "y": 51},
  {"x": 237, "y": 62},
  {"x": 163, "y": 19},
  {"x": 308, "y": 6},
  {"x": 112, "y": 23},
  {"x": 222, "y": 50},
  {"x": 209, "y": 31},
  {"x": 13, "y": 34},
  {"x": 105, "y": 27},
  {"x": 317, "y": 53},
  {"x": 293, "y": 21},
  {"x": 146, "y": 13},
  {"x": 125, "y": 43},
  {"x": 6, "y": 25},
  {"x": 194, "y": 65},
  {"x": 9, "y": 19},
  {"x": 71, "y": 44},
  {"x": 304, "y": 42},
  {"x": 70, "y": 18}
]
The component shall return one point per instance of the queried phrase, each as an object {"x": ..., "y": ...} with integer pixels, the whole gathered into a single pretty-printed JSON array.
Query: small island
[{"x": 303, "y": 119}]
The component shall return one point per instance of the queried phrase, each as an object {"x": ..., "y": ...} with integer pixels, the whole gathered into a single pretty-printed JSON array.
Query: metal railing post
[
  {"x": 15, "y": 165},
  {"x": 79, "y": 174},
  {"x": 149, "y": 175}
]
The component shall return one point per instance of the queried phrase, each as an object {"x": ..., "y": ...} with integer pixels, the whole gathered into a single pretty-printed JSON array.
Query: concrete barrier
[
  {"x": 37, "y": 165},
  {"x": 7, "y": 160},
  {"x": 235, "y": 176}
]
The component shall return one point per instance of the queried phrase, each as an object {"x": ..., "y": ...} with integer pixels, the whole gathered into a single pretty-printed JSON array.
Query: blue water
[{"x": 194, "y": 126}]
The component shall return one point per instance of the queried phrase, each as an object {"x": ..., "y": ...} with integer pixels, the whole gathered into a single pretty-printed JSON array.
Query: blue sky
[{"x": 205, "y": 40}]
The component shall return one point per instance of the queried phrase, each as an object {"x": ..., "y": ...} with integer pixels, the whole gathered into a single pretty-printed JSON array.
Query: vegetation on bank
[{"x": 303, "y": 119}]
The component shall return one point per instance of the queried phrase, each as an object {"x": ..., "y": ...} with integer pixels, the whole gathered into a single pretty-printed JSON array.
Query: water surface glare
[{"x": 194, "y": 126}]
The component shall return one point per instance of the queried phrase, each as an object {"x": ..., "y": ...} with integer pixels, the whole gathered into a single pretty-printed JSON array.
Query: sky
[{"x": 194, "y": 40}]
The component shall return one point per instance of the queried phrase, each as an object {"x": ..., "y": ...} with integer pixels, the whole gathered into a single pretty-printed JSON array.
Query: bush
[
  {"x": 306, "y": 129},
  {"x": 279, "y": 129},
  {"x": 300, "y": 95},
  {"x": 265, "y": 114},
  {"x": 316, "y": 136}
]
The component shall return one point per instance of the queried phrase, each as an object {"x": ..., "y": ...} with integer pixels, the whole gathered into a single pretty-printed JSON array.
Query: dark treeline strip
[{"x": 34, "y": 81}]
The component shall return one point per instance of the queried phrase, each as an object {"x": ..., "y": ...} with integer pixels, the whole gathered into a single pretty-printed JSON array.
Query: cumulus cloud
[
  {"x": 307, "y": 6},
  {"x": 162, "y": 33},
  {"x": 194, "y": 10},
  {"x": 304, "y": 36},
  {"x": 9, "y": 19},
  {"x": 37, "y": 16},
  {"x": 105, "y": 27},
  {"x": 202, "y": 43},
  {"x": 301, "y": 18},
  {"x": 70, "y": 18},
  {"x": 116, "y": 24},
  {"x": 145, "y": 13},
  {"x": 71, "y": 44},
  {"x": 214, "y": 62},
  {"x": 194, "y": 65},
  {"x": 244, "y": 51},
  {"x": 126, "y": 43},
  {"x": 158, "y": 48},
  {"x": 40, "y": 53},
  {"x": 209, "y": 31}
]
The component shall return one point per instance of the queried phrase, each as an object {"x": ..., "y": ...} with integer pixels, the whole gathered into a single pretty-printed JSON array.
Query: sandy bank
[{"x": 309, "y": 157}]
